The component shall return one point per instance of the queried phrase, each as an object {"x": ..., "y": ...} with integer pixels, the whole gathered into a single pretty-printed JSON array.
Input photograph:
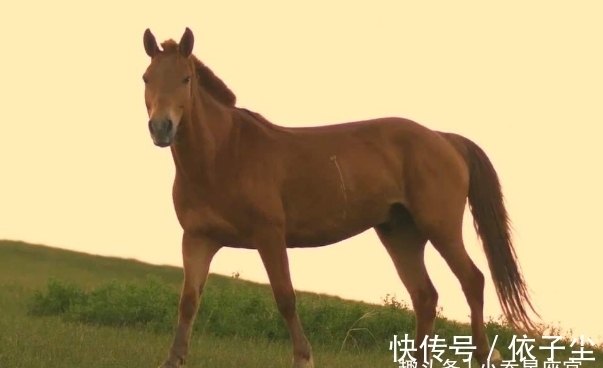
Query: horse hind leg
[
  {"x": 444, "y": 230},
  {"x": 406, "y": 246}
]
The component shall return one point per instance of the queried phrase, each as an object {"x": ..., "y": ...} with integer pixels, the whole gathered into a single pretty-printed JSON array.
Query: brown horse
[{"x": 244, "y": 182}]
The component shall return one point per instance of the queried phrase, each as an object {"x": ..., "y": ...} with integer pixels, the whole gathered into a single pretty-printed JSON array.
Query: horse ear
[
  {"x": 150, "y": 44},
  {"x": 186, "y": 43}
]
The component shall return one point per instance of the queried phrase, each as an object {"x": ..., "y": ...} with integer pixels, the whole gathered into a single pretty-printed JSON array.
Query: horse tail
[{"x": 493, "y": 226}]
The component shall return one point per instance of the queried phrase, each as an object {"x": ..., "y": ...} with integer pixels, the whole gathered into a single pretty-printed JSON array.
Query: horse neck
[{"x": 203, "y": 131}]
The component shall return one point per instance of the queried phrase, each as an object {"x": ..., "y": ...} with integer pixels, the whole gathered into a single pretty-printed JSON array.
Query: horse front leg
[
  {"x": 197, "y": 254},
  {"x": 273, "y": 251}
]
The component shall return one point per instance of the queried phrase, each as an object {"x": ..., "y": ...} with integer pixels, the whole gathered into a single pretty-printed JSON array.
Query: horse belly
[
  {"x": 339, "y": 192},
  {"x": 314, "y": 224},
  {"x": 318, "y": 235}
]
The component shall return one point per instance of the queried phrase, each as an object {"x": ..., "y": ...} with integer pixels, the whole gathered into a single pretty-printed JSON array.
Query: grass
[{"x": 67, "y": 309}]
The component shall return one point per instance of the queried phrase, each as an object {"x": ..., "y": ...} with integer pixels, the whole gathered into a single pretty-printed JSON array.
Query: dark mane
[{"x": 207, "y": 79}]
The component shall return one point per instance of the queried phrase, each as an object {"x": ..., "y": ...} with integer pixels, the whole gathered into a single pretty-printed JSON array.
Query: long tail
[{"x": 492, "y": 224}]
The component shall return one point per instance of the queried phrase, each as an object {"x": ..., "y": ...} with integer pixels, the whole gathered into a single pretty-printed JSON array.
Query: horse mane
[{"x": 206, "y": 77}]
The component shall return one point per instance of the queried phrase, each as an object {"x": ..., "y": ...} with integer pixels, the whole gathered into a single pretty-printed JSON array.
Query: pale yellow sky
[{"x": 522, "y": 79}]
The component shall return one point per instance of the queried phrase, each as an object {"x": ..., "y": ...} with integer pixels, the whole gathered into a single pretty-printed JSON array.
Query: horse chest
[
  {"x": 227, "y": 219},
  {"x": 205, "y": 220}
]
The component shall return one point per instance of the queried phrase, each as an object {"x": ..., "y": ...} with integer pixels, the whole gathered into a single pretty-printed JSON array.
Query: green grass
[{"x": 67, "y": 309}]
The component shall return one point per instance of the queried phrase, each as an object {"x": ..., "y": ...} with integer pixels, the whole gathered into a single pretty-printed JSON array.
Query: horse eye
[{"x": 186, "y": 80}]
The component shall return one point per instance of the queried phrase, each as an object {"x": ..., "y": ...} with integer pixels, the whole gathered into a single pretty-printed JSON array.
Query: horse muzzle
[{"x": 162, "y": 132}]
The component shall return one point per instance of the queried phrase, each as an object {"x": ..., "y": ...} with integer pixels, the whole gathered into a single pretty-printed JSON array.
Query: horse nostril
[
  {"x": 161, "y": 128},
  {"x": 151, "y": 127}
]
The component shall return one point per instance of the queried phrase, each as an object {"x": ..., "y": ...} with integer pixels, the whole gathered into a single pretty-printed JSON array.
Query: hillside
[{"x": 67, "y": 309}]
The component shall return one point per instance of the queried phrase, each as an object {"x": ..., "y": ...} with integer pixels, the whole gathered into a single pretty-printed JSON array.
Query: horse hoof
[
  {"x": 168, "y": 364},
  {"x": 303, "y": 363},
  {"x": 496, "y": 358}
]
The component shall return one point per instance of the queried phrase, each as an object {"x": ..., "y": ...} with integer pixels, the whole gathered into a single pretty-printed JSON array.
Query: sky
[{"x": 522, "y": 79}]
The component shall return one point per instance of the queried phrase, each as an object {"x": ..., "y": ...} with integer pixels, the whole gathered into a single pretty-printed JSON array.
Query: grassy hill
[{"x": 66, "y": 309}]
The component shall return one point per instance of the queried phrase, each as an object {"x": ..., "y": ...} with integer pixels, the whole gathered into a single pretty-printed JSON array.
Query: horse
[{"x": 244, "y": 182}]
